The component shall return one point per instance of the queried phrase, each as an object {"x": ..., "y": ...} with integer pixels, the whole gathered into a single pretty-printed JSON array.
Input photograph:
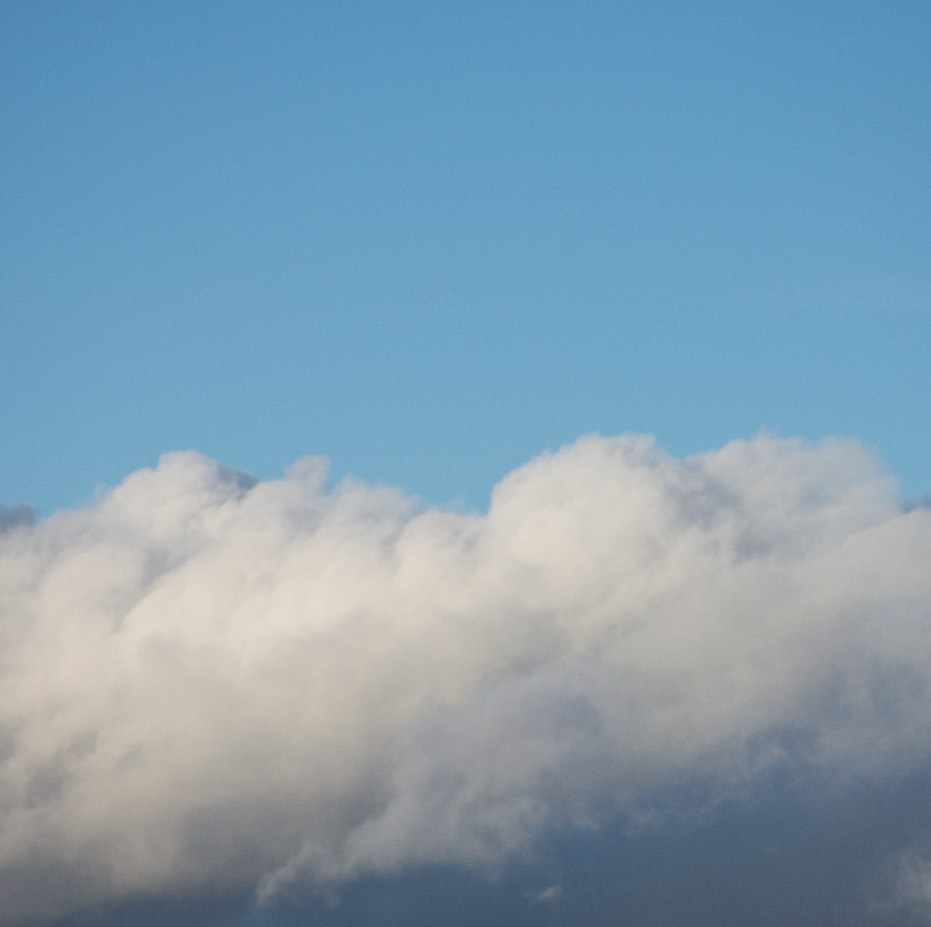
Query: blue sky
[
  {"x": 429, "y": 241},
  {"x": 644, "y": 681}
]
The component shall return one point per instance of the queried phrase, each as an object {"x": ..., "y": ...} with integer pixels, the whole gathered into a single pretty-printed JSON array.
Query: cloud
[
  {"x": 14, "y": 516},
  {"x": 209, "y": 684},
  {"x": 914, "y": 879}
]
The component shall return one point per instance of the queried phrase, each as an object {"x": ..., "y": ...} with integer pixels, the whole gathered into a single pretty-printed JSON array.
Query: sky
[
  {"x": 429, "y": 241},
  {"x": 465, "y": 463}
]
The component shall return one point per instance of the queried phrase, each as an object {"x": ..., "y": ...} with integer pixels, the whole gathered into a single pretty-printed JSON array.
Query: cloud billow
[{"x": 211, "y": 684}]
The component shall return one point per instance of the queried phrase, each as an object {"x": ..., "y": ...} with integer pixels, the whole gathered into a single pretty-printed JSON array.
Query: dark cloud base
[{"x": 807, "y": 854}]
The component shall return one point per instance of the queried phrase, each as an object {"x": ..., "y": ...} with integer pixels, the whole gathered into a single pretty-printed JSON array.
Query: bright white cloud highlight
[{"x": 206, "y": 683}]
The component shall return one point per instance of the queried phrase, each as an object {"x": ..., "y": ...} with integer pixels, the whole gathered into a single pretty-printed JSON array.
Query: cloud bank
[{"x": 213, "y": 684}]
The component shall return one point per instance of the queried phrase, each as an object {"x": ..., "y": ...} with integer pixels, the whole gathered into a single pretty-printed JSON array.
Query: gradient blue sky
[{"x": 430, "y": 240}]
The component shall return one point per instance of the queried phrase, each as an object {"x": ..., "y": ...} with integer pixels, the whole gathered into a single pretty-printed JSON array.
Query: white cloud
[{"x": 206, "y": 683}]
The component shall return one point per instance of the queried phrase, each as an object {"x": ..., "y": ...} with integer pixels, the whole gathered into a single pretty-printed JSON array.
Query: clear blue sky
[{"x": 430, "y": 240}]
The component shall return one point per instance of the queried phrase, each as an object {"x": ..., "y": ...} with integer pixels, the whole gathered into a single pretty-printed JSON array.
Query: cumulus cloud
[{"x": 209, "y": 684}]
